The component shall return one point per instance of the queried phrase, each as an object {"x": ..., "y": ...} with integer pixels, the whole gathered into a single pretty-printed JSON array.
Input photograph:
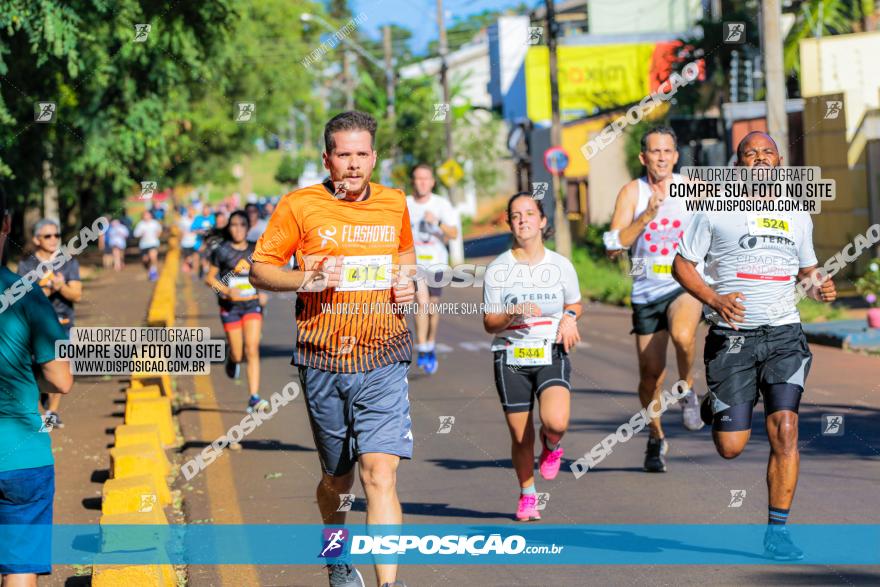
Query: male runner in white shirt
[
  {"x": 750, "y": 348},
  {"x": 650, "y": 223}
]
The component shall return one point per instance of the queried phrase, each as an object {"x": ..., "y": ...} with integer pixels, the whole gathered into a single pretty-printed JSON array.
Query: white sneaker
[{"x": 690, "y": 411}]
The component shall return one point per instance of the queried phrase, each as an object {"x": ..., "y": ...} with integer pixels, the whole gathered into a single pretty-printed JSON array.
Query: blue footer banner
[{"x": 435, "y": 544}]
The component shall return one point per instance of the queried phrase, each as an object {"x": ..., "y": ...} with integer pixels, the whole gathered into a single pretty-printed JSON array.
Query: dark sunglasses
[{"x": 55, "y": 235}]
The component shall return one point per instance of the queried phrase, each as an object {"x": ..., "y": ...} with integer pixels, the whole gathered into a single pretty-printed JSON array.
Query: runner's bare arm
[
  {"x": 495, "y": 322},
  {"x": 631, "y": 229},
  {"x": 57, "y": 373},
  {"x": 728, "y": 306},
  {"x": 71, "y": 291},
  {"x": 404, "y": 287},
  {"x": 568, "y": 333},
  {"x": 274, "y": 278},
  {"x": 622, "y": 219},
  {"x": 826, "y": 292},
  {"x": 214, "y": 283},
  {"x": 449, "y": 231}
]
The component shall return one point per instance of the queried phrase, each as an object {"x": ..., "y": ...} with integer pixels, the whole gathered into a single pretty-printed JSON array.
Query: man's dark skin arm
[
  {"x": 685, "y": 272},
  {"x": 826, "y": 292}
]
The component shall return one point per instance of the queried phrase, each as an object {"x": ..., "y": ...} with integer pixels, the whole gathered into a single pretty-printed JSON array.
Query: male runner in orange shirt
[{"x": 353, "y": 350}]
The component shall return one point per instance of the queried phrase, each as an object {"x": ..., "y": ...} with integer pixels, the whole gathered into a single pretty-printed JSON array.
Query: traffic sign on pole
[
  {"x": 556, "y": 160},
  {"x": 450, "y": 172}
]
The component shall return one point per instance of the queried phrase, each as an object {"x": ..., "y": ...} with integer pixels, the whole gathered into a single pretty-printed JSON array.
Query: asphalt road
[{"x": 465, "y": 476}]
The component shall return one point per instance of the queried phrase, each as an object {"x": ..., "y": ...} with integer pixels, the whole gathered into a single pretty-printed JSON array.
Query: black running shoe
[
  {"x": 233, "y": 369},
  {"x": 655, "y": 461},
  {"x": 779, "y": 546},
  {"x": 706, "y": 411}
]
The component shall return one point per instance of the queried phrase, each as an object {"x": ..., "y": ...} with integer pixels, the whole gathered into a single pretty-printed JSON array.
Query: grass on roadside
[
  {"x": 600, "y": 279},
  {"x": 813, "y": 311}
]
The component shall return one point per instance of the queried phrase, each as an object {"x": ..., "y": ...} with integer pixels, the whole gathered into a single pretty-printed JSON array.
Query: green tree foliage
[
  {"x": 479, "y": 139},
  {"x": 290, "y": 169},
  {"x": 161, "y": 110},
  {"x": 827, "y": 17}
]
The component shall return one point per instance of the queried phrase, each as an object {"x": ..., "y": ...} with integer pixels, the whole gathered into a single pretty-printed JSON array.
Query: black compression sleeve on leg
[
  {"x": 735, "y": 418},
  {"x": 782, "y": 396}
]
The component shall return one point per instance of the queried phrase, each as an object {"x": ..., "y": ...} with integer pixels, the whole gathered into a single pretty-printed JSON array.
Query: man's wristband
[{"x": 571, "y": 313}]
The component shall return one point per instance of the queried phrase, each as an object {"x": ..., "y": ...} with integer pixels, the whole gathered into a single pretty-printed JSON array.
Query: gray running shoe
[
  {"x": 397, "y": 583},
  {"x": 343, "y": 575},
  {"x": 690, "y": 411},
  {"x": 655, "y": 461},
  {"x": 779, "y": 546}
]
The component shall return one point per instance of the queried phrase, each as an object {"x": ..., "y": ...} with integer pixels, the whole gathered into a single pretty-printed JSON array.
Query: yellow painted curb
[
  {"x": 130, "y": 495},
  {"x": 143, "y": 392},
  {"x": 121, "y": 539},
  {"x": 145, "y": 440},
  {"x": 140, "y": 459},
  {"x": 136, "y": 452},
  {"x": 127, "y": 434},
  {"x": 163, "y": 380},
  {"x": 133, "y": 576},
  {"x": 152, "y": 411}
]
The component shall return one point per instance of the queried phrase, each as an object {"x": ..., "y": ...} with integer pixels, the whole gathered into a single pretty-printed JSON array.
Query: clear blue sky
[{"x": 420, "y": 16}]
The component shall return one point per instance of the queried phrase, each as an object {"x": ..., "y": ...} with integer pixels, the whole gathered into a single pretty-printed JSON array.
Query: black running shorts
[
  {"x": 652, "y": 317},
  {"x": 771, "y": 360},
  {"x": 518, "y": 386}
]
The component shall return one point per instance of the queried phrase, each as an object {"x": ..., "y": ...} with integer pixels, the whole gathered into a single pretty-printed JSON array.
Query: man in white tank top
[{"x": 650, "y": 223}]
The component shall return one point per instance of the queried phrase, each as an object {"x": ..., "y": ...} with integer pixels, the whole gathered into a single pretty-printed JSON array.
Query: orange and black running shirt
[{"x": 352, "y": 328}]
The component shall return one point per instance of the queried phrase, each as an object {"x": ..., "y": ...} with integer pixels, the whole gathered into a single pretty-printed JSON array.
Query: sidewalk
[
  {"x": 93, "y": 409},
  {"x": 847, "y": 334}
]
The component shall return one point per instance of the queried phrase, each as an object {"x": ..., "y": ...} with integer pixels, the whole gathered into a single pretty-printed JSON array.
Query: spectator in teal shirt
[{"x": 27, "y": 473}]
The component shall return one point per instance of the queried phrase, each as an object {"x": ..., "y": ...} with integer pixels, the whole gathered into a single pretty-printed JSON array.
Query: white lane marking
[{"x": 482, "y": 345}]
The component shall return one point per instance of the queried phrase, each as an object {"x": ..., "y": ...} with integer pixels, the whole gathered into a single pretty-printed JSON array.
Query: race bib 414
[{"x": 366, "y": 272}]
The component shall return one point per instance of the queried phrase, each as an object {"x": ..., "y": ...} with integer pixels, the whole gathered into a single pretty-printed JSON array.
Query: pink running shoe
[
  {"x": 549, "y": 462},
  {"x": 527, "y": 512}
]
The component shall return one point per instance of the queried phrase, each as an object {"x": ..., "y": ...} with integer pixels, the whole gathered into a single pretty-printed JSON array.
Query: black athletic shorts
[
  {"x": 652, "y": 317},
  {"x": 518, "y": 386},
  {"x": 233, "y": 314},
  {"x": 436, "y": 277},
  {"x": 771, "y": 360}
]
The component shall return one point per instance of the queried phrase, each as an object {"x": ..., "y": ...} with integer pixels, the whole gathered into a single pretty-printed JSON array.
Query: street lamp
[{"x": 389, "y": 72}]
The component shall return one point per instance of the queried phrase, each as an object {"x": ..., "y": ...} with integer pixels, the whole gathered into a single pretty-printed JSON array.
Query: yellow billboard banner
[{"x": 593, "y": 77}]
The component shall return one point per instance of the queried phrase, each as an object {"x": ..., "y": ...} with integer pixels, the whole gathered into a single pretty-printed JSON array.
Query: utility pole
[
  {"x": 560, "y": 218},
  {"x": 389, "y": 90},
  {"x": 444, "y": 81},
  {"x": 774, "y": 75},
  {"x": 347, "y": 80},
  {"x": 389, "y": 70}
]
